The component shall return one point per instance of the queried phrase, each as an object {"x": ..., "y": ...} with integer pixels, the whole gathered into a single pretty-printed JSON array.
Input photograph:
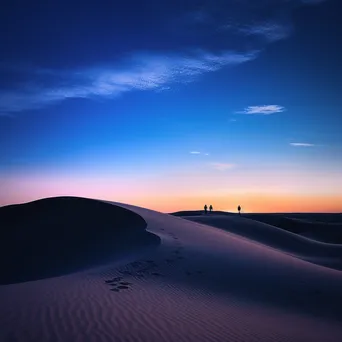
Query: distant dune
[
  {"x": 321, "y": 227},
  {"x": 199, "y": 213},
  {"x": 329, "y": 255},
  {"x": 178, "y": 280}
]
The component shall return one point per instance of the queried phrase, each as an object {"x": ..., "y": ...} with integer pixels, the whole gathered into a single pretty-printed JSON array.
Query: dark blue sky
[{"x": 246, "y": 92}]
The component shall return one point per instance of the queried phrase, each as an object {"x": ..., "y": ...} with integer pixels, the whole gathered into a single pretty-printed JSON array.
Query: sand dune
[
  {"x": 320, "y": 227},
  {"x": 316, "y": 226},
  {"x": 200, "y": 284},
  {"x": 329, "y": 255},
  {"x": 60, "y": 235}
]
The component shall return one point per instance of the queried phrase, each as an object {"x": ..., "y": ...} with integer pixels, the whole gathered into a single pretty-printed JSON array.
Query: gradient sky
[{"x": 172, "y": 104}]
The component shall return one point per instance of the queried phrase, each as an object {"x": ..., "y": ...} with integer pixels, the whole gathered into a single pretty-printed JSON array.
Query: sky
[{"x": 173, "y": 104}]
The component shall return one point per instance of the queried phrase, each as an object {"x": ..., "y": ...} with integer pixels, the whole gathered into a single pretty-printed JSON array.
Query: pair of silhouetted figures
[
  {"x": 206, "y": 208},
  {"x": 211, "y": 209}
]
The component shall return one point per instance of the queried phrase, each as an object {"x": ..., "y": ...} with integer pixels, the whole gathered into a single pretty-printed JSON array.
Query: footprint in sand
[
  {"x": 139, "y": 269},
  {"x": 122, "y": 287},
  {"x": 125, "y": 283},
  {"x": 146, "y": 268},
  {"x": 113, "y": 280}
]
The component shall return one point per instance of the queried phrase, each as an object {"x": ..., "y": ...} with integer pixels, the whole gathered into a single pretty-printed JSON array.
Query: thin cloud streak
[
  {"x": 273, "y": 27},
  {"x": 272, "y": 32},
  {"x": 298, "y": 144},
  {"x": 197, "y": 152},
  {"x": 262, "y": 110}
]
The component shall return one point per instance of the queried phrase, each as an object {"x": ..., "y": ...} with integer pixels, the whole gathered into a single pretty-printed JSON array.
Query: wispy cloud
[
  {"x": 263, "y": 21},
  {"x": 144, "y": 72},
  {"x": 271, "y": 31},
  {"x": 198, "y": 152},
  {"x": 222, "y": 166},
  {"x": 262, "y": 110},
  {"x": 300, "y": 144}
]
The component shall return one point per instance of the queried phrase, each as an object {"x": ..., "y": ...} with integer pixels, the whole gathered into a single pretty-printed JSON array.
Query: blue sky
[{"x": 126, "y": 92}]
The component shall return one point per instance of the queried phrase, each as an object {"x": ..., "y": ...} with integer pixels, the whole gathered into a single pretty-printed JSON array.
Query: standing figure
[
  {"x": 211, "y": 208},
  {"x": 239, "y": 209},
  {"x": 205, "y": 209}
]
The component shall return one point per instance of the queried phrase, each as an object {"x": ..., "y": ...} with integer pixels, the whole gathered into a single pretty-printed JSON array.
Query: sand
[
  {"x": 306, "y": 248},
  {"x": 200, "y": 283},
  {"x": 320, "y": 227}
]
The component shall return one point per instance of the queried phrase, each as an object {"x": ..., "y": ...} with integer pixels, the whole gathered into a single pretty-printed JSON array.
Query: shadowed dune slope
[
  {"x": 55, "y": 236},
  {"x": 314, "y": 251},
  {"x": 320, "y": 227}
]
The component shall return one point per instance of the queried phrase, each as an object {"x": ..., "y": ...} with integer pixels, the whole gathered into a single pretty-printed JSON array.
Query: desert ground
[{"x": 75, "y": 269}]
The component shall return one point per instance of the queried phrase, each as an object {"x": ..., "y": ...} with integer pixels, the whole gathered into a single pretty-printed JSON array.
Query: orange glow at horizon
[
  {"x": 170, "y": 193},
  {"x": 253, "y": 202}
]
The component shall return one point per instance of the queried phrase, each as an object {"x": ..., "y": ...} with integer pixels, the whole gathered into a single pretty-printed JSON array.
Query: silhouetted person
[
  {"x": 239, "y": 209},
  {"x": 205, "y": 209},
  {"x": 211, "y": 208}
]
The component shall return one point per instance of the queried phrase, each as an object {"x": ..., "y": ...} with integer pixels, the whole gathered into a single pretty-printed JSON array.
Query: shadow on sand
[{"x": 56, "y": 236}]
